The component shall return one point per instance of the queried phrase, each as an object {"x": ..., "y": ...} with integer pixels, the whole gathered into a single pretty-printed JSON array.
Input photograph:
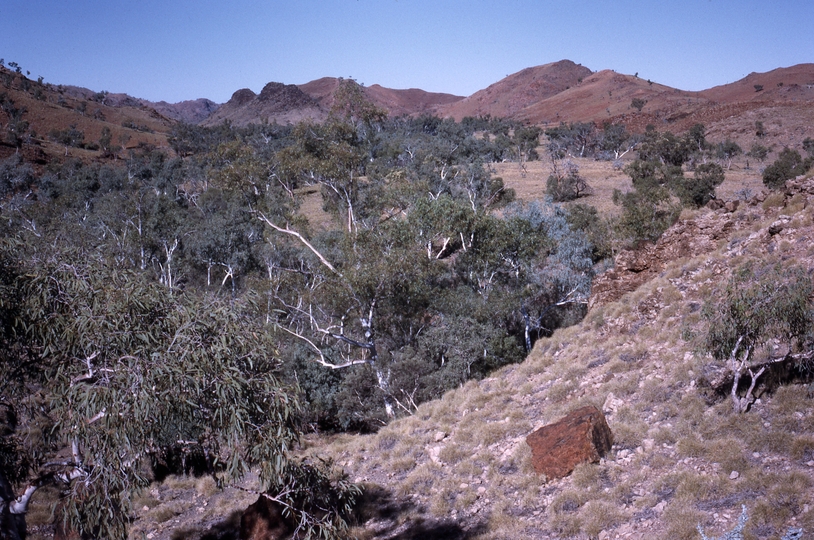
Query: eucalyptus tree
[{"x": 117, "y": 371}]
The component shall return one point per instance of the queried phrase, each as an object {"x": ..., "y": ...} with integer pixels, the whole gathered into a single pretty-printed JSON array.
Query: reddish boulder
[
  {"x": 583, "y": 436},
  {"x": 264, "y": 520}
]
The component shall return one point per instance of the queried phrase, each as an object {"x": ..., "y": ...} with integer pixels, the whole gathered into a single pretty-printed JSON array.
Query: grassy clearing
[{"x": 530, "y": 183}]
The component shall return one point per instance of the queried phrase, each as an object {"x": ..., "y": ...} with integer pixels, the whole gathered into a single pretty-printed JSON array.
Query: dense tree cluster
[
  {"x": 163, "y": 305},
  {"x": 658, "y": 176}
]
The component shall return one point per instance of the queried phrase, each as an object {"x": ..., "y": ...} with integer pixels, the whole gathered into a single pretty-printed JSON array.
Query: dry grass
[
  {"x": 603, "y": 177},
  {"x": 674, "y": 450}
]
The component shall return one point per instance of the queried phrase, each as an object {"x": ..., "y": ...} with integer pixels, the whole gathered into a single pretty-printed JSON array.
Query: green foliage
[
  {"x": 15, "y": 175},
  {"x": 646, "y": 213},
  {"x": 788, "y": 165},
  {"x": 648, "y": 210},
  {"x": 419, "y": 285},
  {"x": 638, "y": 103},
  {"x": 16, "y": 127},
  {"x": 576, "y": 138},
  {"x": 68, "y": 137},
  {"x": 131, "y": 370},
  {"x": 565, "y": 184},
  {"x": 527, "y": 139},
  {"x": 585, "y": 218},
  {"x": 758, "y": 151},
  {"x": 698, "y": 191},
  {"x": 759, "y": 304},
  {"x": 727, "y": 151},
  {"x": 666, "y": 148},
  {"x": 697, "y": 135}
]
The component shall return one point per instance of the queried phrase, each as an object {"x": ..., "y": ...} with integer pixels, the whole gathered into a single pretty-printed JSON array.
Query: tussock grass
[{"x": 672, "y": 446}]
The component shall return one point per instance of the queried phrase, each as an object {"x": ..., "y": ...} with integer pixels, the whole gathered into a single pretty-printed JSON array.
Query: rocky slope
[
  {"x": 277, "y": 102},
  {"x": 290, "y": 103},
  {"x": 680, "y": 457},
  {"x": 511, "y": 95},
  {"x": 460, "y": 467}
]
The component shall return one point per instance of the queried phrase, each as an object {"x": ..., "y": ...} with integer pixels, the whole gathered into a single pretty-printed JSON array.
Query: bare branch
[
  {"x": 322, "y": 360},
  {"x": 301, "y": 238}
]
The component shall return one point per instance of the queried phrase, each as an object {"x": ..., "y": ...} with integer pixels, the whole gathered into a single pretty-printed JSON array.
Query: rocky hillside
[
  {"x": 460, "y": 467},
  {"x": 290, "y": 103},
  {"x": 681, "y": 457},
  {"x": 48, "y": 109},
  {"x": 511, "y": 95},
  {"x": 277, "y": 102}
]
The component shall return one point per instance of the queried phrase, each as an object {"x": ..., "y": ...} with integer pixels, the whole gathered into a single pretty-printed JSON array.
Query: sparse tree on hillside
[
  {"x": 727, "y": 151},
  {"x": 761, "y": 305},
  {"x": 758, "y": 151},
  {"x": 788, "y": 165},
  {"x": 638, "y": 103},
  {"x": 697, "y": 191},
  {"x": 565, "y": 183}
]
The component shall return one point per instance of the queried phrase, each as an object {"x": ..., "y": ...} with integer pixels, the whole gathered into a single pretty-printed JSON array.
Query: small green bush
[{"x": 788, "y": 165}]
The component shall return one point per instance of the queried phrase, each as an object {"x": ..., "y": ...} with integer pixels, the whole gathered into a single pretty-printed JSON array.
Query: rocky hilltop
[
  {"x": 277, "y": 102},
  {"x": 513, "y": 94},
  {"x": 288, "y": 104}
]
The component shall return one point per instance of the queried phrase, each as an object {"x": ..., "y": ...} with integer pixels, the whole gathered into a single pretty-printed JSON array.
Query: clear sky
[{"x": 175, "y": 50}]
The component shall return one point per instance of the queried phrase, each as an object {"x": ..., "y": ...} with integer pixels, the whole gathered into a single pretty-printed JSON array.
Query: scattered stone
[
  {"x": 435, "y": 452},
  {"x": 715, "y": 204},
  {"x": 612, "y": 403},
  {"x": 734, "y": 475},
  {"x": 583, "y": 436},
  {"x": 632, "y": 268},
  {"x": 731, "y": 206},
  {"x": 777, "y": 226},
  {"x": 440, "y": 436},
  {"x": 264, "y": 520}
]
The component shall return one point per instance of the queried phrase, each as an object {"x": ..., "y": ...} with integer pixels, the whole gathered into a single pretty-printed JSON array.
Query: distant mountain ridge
[
  {"x": 782, "y": 99},
  {"x": 288, "y": 103},
  {"x": 561, "y": 91}
]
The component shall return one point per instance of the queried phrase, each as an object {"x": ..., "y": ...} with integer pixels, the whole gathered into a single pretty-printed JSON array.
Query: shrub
[
  {"x": 565, "y": 183},
  {"x": 788, "y": 165},
  {"x": 698, "y": 191},
  {"x": 759, "y": 305},
  {"x": 638, "y": 103},
  {"x": 758, "y": 151}
]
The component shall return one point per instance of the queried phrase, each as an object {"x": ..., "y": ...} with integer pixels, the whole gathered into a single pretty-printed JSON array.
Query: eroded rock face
[
  {"x": 635, "y": 267},
  {"x": 690, "y": 238},
  {"x": 264, "y": 520},
  {"x": 583, "y": 436}
]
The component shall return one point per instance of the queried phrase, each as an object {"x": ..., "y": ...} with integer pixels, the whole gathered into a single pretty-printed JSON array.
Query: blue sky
[{"x": 175, "y": 50}]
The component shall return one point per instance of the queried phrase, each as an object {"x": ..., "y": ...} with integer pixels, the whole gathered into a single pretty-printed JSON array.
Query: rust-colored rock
[
  {"x": 632, "y": 268},
  {"x": 583, "y": 436},
  {"x": 264, "y": 520}
]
